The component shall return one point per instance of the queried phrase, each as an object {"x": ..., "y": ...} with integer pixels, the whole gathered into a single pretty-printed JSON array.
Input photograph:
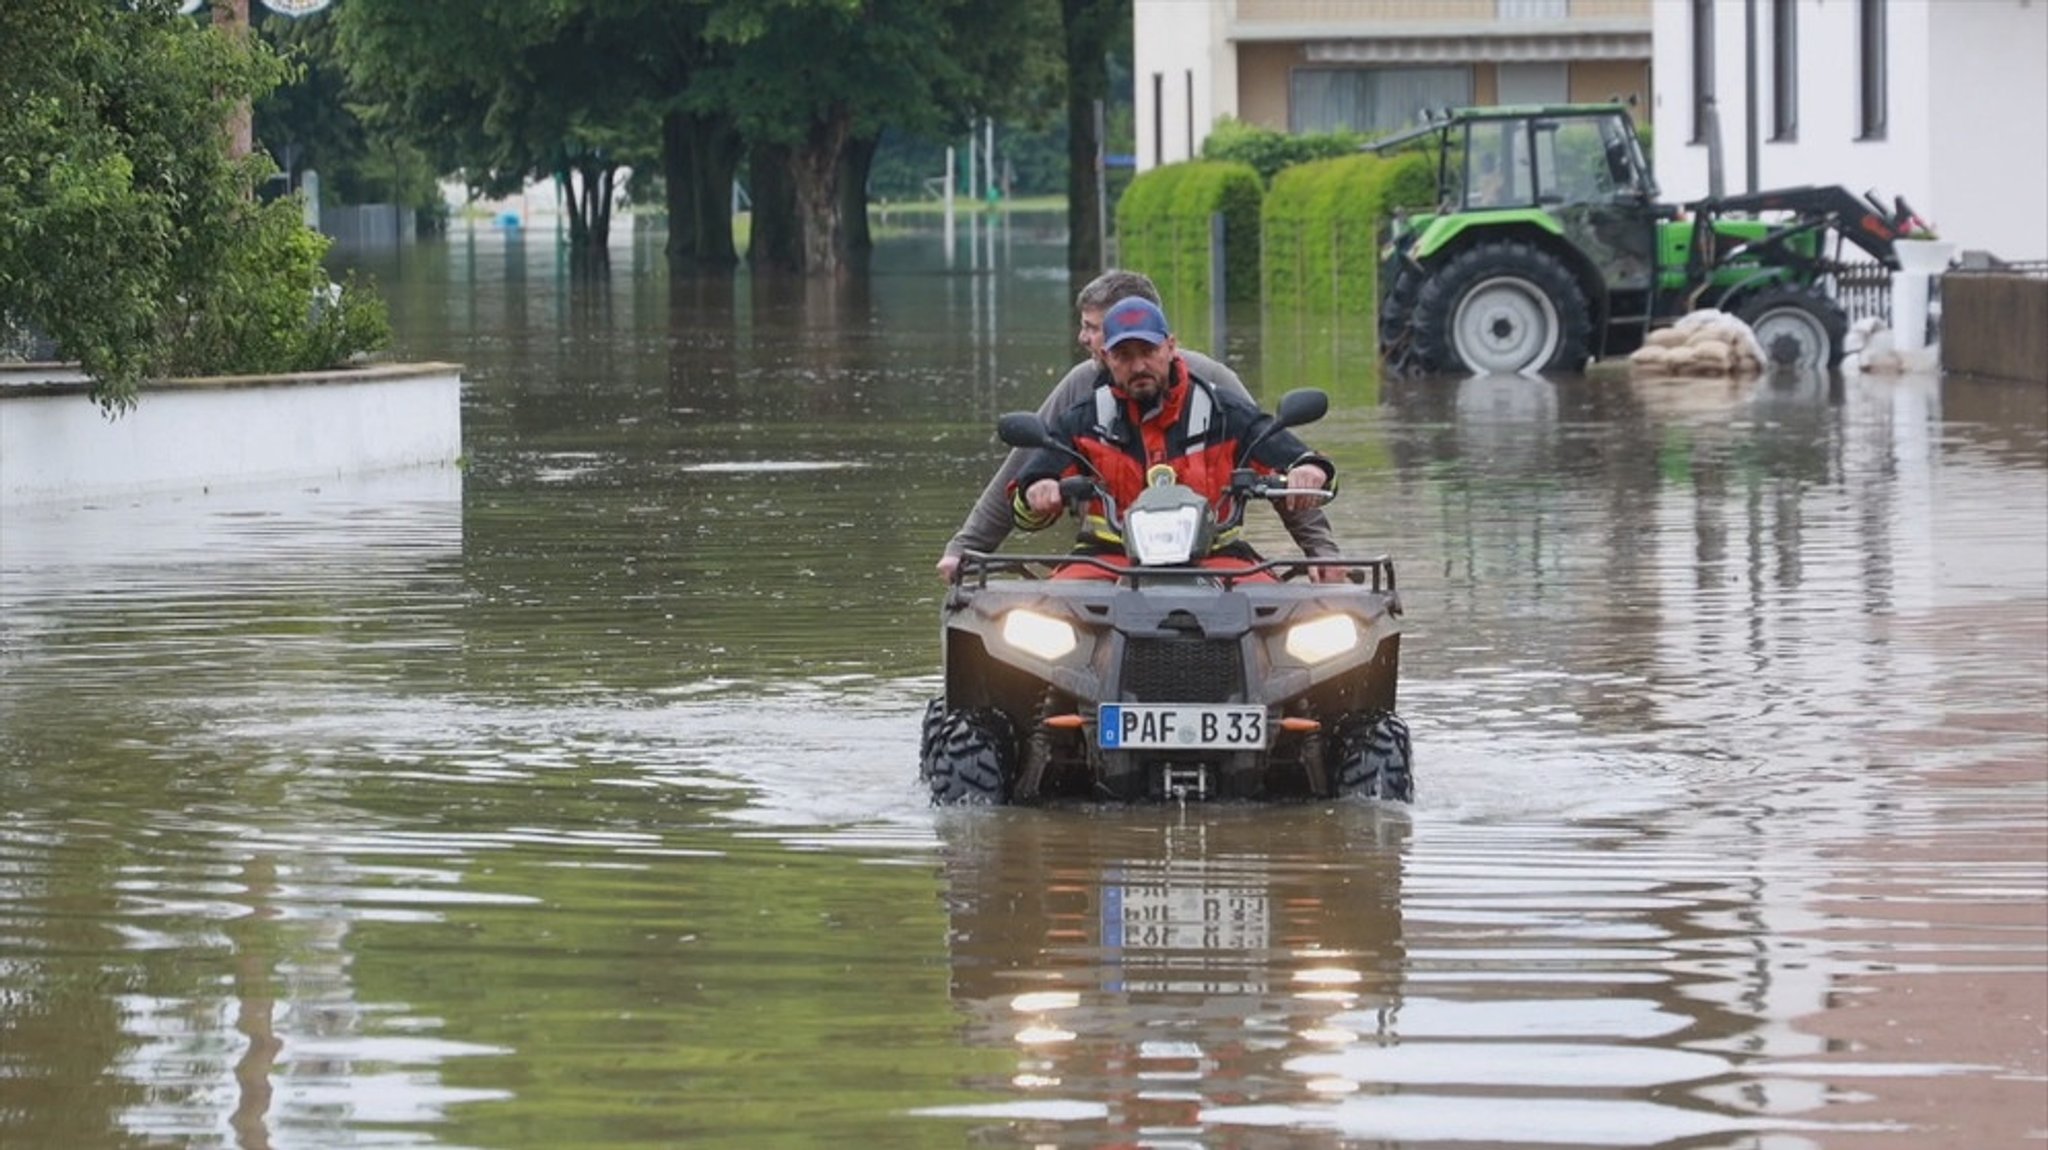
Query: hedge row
[
  {"x": 1321, "y": 229},
  {"x": 1162, "y": 227},
  {"x": 1311, "y": 244}
]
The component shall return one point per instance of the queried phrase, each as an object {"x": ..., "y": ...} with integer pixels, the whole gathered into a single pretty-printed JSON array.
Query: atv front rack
[{"x": 976, "y": 567}]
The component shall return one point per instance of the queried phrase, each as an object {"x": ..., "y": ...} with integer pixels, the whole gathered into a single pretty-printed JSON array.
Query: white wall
[
  {"x": 191, "y": 437},
  {"x": 1174, "y": 38},
  {"x": 1989, "y": 144},
  {"x": 1967, "y": 135}
]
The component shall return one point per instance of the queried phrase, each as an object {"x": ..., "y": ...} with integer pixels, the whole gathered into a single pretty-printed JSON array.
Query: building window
[
  {"x": 1870, "y": 53},
  {"x": 1371, "y": 100},
  {"x": 1702, "y": 69},
  {"x": 1784, "y": 69}
]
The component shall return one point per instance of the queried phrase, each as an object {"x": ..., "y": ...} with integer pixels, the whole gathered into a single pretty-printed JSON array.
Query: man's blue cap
[{"x": 1133, "y": 318}]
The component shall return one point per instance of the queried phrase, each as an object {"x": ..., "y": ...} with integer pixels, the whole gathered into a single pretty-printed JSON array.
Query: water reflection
[{"x": 1143, "y": 966}]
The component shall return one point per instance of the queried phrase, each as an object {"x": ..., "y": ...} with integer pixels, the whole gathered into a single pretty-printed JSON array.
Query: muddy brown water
[{"x": 569, "y": 799}]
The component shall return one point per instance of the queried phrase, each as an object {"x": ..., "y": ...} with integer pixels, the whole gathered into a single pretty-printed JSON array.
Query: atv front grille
[{"x": 1183, "y": 670}]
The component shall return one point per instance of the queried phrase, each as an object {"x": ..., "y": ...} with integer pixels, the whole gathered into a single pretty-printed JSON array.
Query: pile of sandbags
[{"x": 1702, "y": 343}]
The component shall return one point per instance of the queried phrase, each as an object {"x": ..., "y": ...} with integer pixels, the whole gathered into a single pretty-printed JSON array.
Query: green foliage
[
  {"x": 312, "y": 121},
  {"x": 122, "y": 216},
  {"x": 1268, "y": 151},
  {"x": 1323, "y": 223},
  {"x": 1162, "y": 226},
  {"x": 272, "y": 308}
]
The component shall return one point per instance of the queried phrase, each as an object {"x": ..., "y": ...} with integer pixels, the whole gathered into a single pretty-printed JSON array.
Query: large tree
[
  {"x": 128, "y": 232},
  {"x": 505, "y": 93},
  {"x": 797, "y": 91},
  {"x": 822, "y": 81}
]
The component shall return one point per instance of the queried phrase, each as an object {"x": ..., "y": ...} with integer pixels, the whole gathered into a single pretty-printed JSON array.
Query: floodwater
[{"x": 569, "y": 799}]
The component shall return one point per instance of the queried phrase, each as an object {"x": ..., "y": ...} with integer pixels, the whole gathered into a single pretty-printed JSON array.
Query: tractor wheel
[
  {"x": 1501, "y": 308},
  {"x": 1397, "y": 311},
  {"x": 1378, "y": 760},
  {"x": 970, "y": 758},
  {"x": 1798, "y": 327}
]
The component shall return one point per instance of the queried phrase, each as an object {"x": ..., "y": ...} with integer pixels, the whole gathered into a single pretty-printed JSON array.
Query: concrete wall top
[{"x": 67, "y": 379}]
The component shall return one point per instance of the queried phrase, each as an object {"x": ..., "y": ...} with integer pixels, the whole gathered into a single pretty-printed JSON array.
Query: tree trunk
[
  {"x": 775, "y": 246},
  {"x": 1086, "y": 24},
  {"x": 814, "y": 173},
  {"x": 597, "y": 196},
  {"x": 699, "y": 156},
  {"x": 565, "y": 189},
  {"x": 856, "y": 240},
  {"x": 232, "y": 17}
]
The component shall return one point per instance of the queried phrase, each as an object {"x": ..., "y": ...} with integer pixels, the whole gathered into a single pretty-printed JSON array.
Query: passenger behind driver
[
  {"x": 1151, "y": 411},
  {"x": 988, "y": 523}
]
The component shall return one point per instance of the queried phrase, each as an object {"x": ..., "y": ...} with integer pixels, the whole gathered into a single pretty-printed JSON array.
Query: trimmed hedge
[
  {"x": 1322, "y": 224},
  {"x": 1269, "y": 151},
  {"x": 1162, "y": 227}
]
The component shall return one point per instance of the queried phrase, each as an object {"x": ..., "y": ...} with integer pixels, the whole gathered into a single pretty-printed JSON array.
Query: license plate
[{"x": 1180, "y": 727}]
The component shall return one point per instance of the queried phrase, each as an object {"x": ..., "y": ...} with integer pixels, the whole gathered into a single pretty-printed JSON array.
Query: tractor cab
[{"x": 1546, "y": 157}]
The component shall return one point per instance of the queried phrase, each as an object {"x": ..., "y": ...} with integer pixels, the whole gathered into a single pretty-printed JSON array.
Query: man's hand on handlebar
[
  {"x": 1043, "y": 497},
  {"x": 1307, "y": 477}
]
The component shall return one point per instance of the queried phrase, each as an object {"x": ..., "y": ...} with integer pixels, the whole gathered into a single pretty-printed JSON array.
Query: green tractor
[{"x": 1549, "y": 247}]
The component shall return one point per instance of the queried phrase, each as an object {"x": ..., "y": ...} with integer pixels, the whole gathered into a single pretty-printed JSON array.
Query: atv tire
[
  {"x": 928, "y": 736},
  {"x": 1378, "y": 760},
  {"x": 1798, "y": 327},
  {"x": 970, "y": 758},
  {"x": 1500, "y": 308}
]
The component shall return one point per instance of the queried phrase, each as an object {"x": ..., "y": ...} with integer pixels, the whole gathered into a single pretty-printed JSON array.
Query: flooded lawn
[{"x": 570, "y": 799}]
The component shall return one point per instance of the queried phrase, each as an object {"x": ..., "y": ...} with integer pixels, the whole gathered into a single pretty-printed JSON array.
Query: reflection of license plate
[
  {"x": 1185, "y": 918},
  {"x": 1180, "y": 726}
]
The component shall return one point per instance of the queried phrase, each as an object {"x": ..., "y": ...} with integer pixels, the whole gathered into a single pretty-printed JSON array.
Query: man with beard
[{"x": 1153, "y": 413}]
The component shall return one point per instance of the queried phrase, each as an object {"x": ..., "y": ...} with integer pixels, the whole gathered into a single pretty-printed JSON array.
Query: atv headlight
[
  {"x": 1036, "y": 634},
  {"x": 1164, "y": 536},
  {"x": 1322, "y": 639}
]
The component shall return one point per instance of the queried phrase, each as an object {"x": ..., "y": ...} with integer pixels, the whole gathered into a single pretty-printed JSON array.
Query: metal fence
[{"x": 1864, "y": 289}]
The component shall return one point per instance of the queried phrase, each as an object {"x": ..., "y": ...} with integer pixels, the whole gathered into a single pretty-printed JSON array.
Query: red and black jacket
[{"x": 1195, "y": 428}]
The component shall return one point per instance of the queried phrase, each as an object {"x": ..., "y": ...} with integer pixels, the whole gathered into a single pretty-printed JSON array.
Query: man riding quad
[
  {"x": 1165, "y": 659},
  {"x": 1156, "y": 414}
]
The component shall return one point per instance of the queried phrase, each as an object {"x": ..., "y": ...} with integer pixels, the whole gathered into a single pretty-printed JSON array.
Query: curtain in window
[{"x": 1372, "y": 100}]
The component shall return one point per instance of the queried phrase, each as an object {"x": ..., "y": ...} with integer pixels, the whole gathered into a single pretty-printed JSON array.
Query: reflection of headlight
[
  {"x": 1163, "y": 536},
  {"x": 1321, "y": 639},
  {"x": 1036, "y": 634}
]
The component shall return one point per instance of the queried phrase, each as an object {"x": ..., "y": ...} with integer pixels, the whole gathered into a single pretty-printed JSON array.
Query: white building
[
  {"x": 1944, "y": 102},
  {"x": 1372, "y": 65}
]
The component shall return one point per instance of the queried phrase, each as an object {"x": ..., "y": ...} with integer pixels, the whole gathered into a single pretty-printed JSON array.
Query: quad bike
[
  {"x": 1171, "y": 680},
  {"x": 1548, "y": 247}
]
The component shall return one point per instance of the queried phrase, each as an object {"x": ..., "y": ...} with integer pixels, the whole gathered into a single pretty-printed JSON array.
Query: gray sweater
[{"x": 988, "y": 524}]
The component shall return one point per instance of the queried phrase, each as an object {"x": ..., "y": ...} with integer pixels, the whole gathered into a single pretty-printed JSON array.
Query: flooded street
[{"x": 569, "y": 798}]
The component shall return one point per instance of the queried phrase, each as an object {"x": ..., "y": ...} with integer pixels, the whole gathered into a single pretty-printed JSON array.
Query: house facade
[
  {"x": 1944, "y": 102},
  {"x": 1373, "y": 65}
]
